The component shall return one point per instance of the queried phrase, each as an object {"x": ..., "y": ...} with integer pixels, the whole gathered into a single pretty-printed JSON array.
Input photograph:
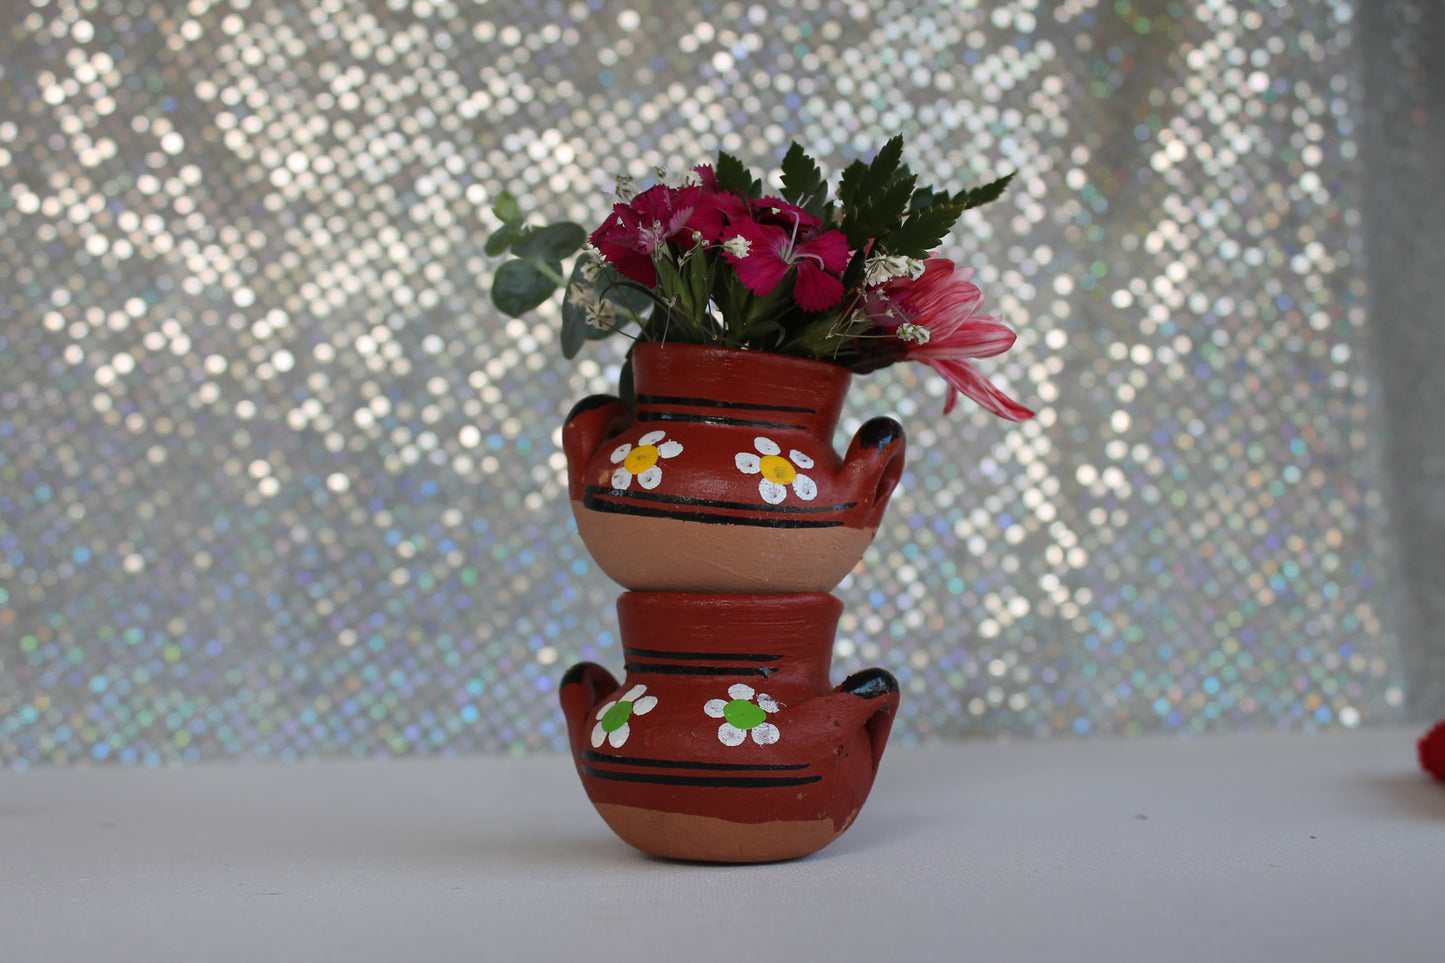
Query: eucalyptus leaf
[
  {"x": 518, "y": 287},
  {"x": 575, "y": 329},
  {"x": 503, "y": 237},
  {"x": 551, "y": 243},
  {"x": 636, "y": 297},
  {"x": 627, "y": 295},
  {"x": 506, "y": 208}
]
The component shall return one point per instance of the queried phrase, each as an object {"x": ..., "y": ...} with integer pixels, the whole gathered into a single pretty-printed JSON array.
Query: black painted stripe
[
  {"x": 592, "y": 756},
  {"x": 698, "y": 656},
  {"x": 644, "y": 417},
  {"x": 657, "y": 668},
  {"x": 715, "y": 403},
  {"x": 673, "y": 779},
  {"x": 647, "y": 496},
  {"x": 590, "y": 500}
]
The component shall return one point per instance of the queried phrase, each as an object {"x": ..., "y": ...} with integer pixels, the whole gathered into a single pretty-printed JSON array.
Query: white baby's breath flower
[
  {"x": 886, "y": 267},
  {"x": 591, "y": 265},
  {"x": 917, "y": 333},
  {"x": 737, "y": 246},
  {"x": 601, "y": 314}
]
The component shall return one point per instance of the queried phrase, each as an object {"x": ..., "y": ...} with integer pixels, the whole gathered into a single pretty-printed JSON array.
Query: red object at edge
[{"x": 1432, "y": 751}]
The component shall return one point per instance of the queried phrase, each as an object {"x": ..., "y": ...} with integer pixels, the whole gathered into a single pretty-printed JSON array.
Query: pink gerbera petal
[
  {"x": 975, "y": 338},
  {"x": 944, "y": 301},
  {"x": 965, "y": 378}
]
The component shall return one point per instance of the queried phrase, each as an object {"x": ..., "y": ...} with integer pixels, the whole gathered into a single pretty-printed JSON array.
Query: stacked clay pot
[{"x": 720, "y": 504}]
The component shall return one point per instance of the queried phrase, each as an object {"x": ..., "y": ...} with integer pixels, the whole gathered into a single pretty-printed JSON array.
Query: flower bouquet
[
  {"x": 848, "y": 278},
  {"x": 711, "y": 490}
]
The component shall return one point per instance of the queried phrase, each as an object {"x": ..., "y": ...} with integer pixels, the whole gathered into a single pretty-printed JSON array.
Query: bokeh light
[{"x": 276, "y": 479}]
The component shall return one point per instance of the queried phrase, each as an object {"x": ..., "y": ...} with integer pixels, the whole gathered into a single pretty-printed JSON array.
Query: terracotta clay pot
[
  {"x": 725, "y": 741},
  {"x": 725, "y": 478}
]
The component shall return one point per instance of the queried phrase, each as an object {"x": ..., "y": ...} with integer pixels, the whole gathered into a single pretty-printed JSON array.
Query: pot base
[
  {"x": 712, "y": 840},
  {"x": 691, "y": 556}
]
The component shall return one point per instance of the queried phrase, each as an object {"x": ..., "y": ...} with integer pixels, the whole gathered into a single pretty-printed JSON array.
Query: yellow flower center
[
  {"x": 640, "y": 459},
  {"x": 778, "y": 469}
]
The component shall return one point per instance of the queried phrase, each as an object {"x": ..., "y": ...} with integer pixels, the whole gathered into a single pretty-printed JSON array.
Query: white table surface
[{"x": 1272, "y": 847}]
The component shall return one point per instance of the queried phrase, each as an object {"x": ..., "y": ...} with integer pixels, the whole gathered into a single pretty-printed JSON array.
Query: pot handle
[
  {"x": 867, "y": 701},
  {"x": 589, "y": 424},
  {"x": 583, "y": 687},
  {"x": 873, "y": 465}
]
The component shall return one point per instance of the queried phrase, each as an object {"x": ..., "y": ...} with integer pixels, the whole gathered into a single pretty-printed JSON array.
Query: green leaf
[
  {"x": 926, "y": 197},
  {"x": 848, "y": 182},
  {"x": 803, "y": 182},
  {"x": 733, "y": 176},
  {"x": 575, "y": 329},
  {"x": 879, "y": 213},
  {"x": 979, "y": 196},
  {"x": 856, "y": 270},
  {"x": 551, "y": 243},
  {"x": 503, "y": 237},
  {"x": 506, "y": 208},
  {"x": 518, "y": 287},
  {"x": 861, "y": 180},
  {"x": 629, "y": 294},
  {"x": 922, "y": 231},
  {"x": 767, "y": 335},
  {"x": 876, "y": 195}
]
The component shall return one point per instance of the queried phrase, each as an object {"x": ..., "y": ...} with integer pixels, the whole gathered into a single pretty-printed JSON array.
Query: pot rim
[
  {"x": 833, "y": 369},
  {"x": 671, "y": 375}
]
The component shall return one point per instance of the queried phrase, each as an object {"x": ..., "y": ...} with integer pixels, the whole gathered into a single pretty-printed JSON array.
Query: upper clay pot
[{"x": 724, "y": 479}]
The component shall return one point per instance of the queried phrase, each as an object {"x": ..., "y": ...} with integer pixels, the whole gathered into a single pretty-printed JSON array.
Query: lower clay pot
[{"x": 724, "y": 742}]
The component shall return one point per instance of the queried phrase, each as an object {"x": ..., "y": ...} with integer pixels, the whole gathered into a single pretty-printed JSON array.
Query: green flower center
[
  {"x": 616, "y": 717},
  {"x": 742, "y": 714}
]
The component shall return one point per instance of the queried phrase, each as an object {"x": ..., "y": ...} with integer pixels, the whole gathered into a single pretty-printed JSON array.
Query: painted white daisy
[
  {"x": 614, "y": 718},
  {"x": 778, "y": 473},
  {"x": 641, "y": 461},
  {"x": 744, "y": 712}
]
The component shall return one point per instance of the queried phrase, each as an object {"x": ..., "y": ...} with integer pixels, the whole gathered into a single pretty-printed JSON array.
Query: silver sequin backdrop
[{"x": 276, "y": 480}]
